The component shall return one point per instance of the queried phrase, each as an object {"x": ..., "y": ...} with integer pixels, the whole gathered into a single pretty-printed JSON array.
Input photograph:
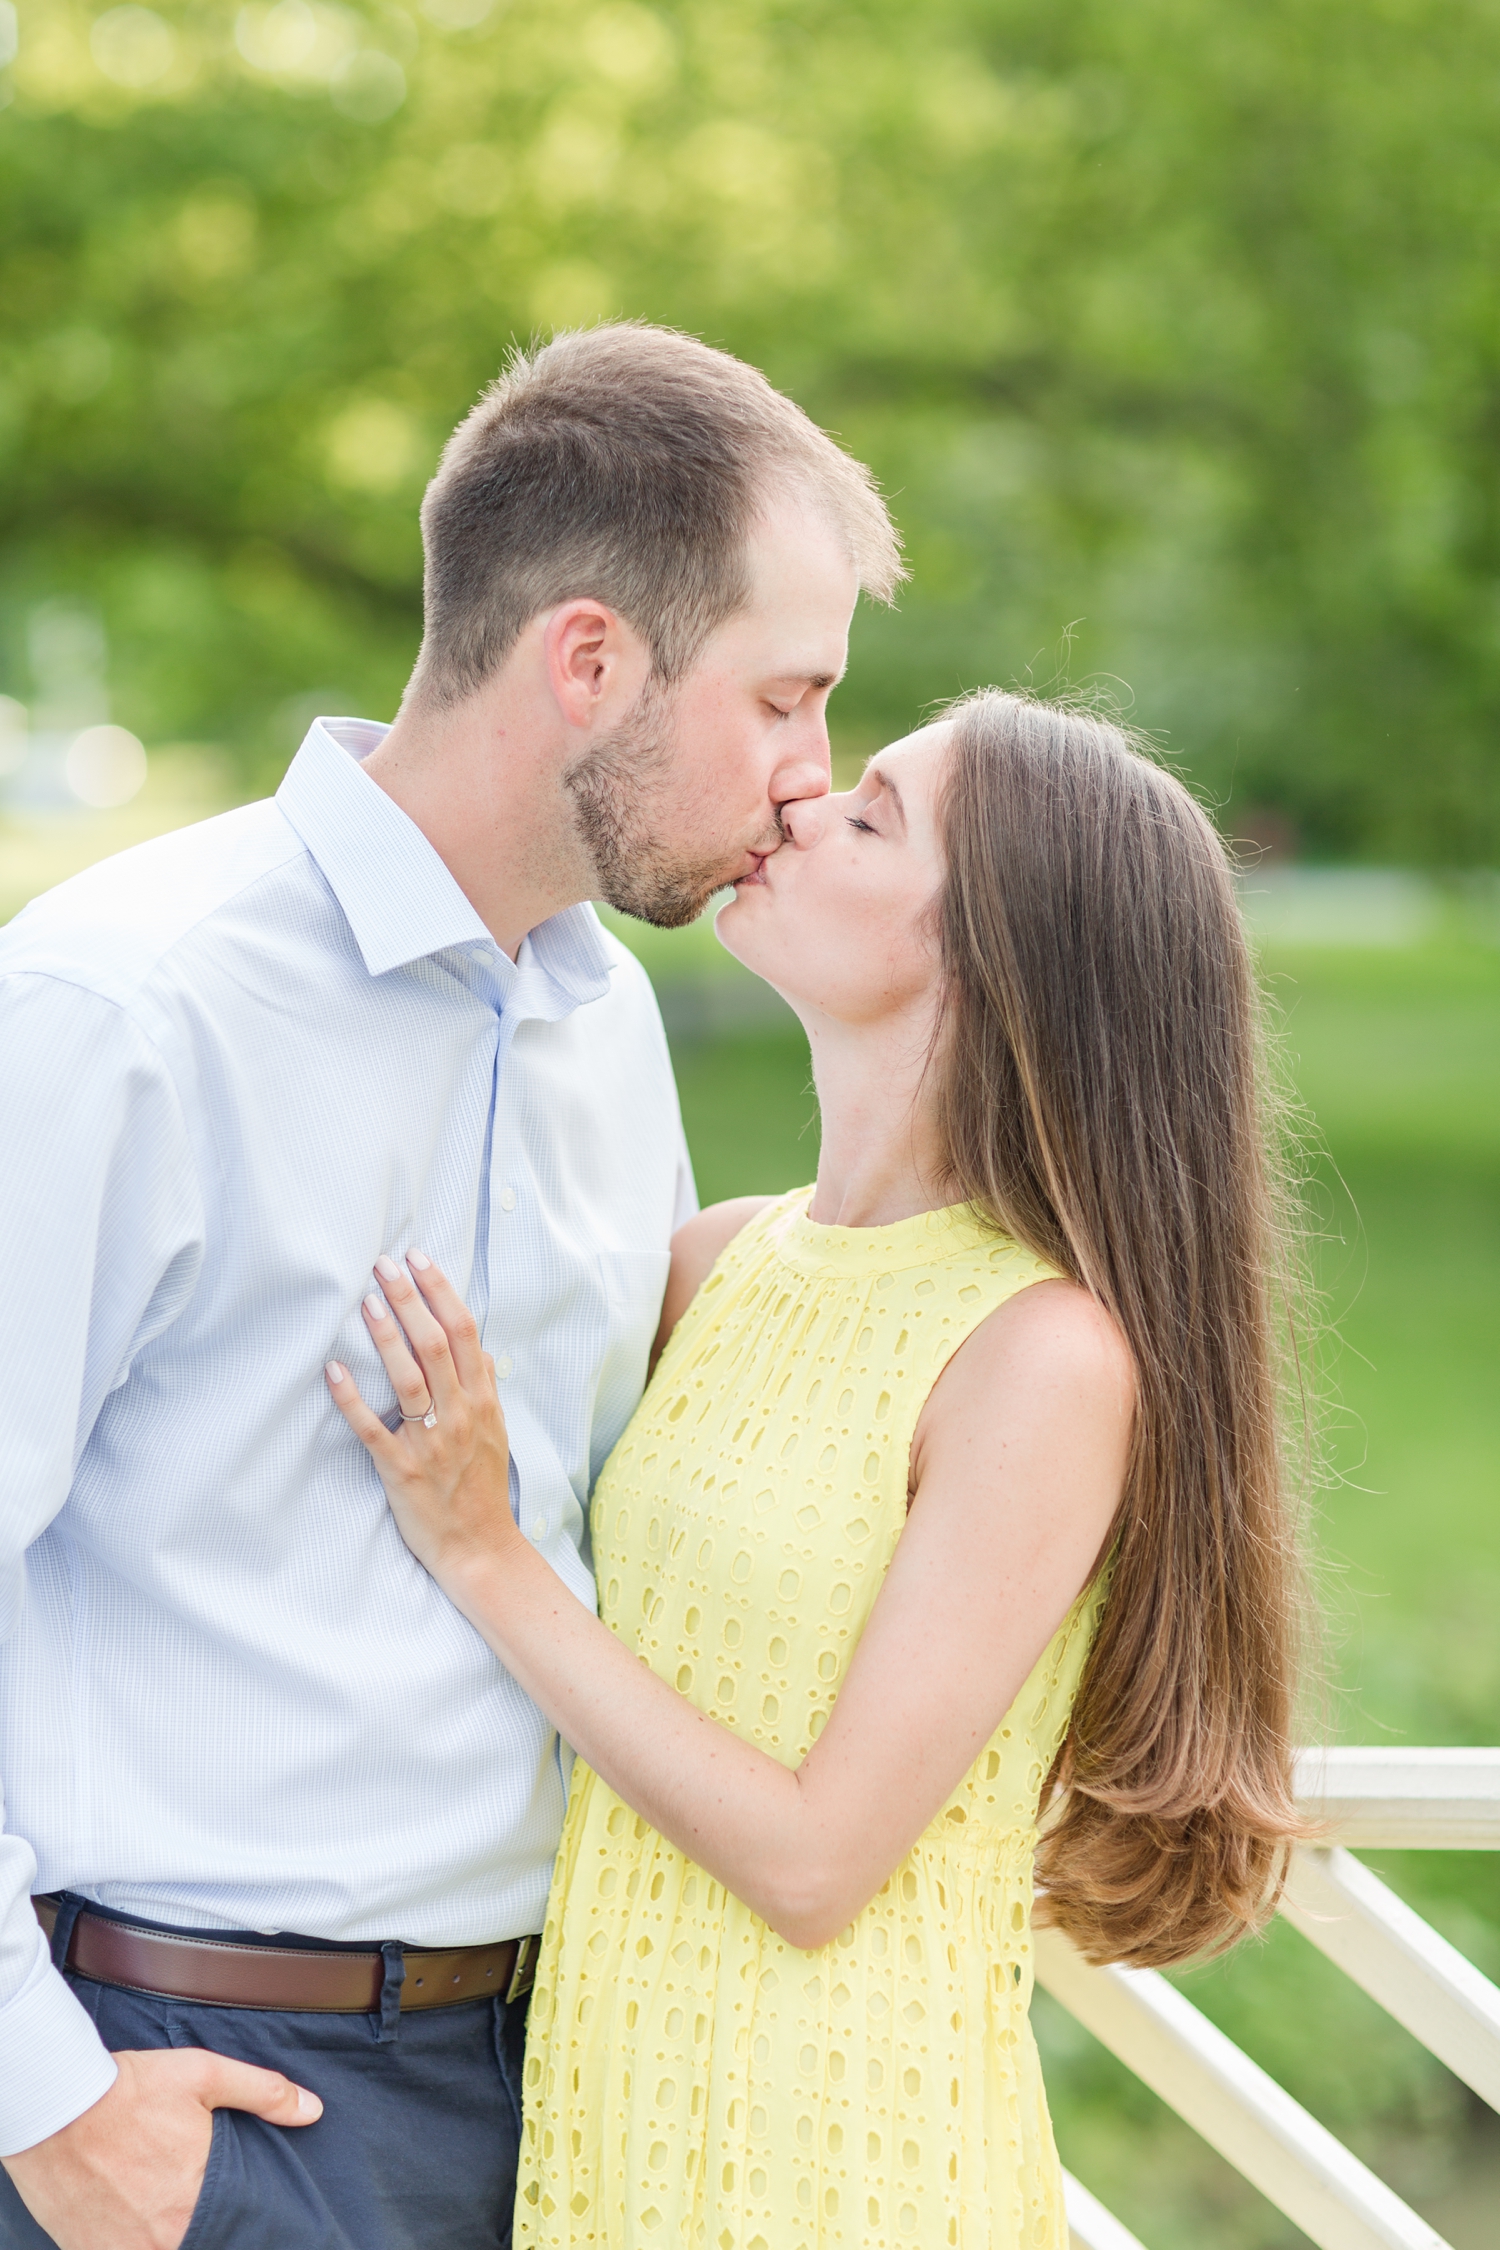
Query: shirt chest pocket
[{"x": 635, "y": 1282}]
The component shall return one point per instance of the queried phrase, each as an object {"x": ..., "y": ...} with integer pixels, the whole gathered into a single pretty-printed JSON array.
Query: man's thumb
[{"x": 264, "y": 2093}]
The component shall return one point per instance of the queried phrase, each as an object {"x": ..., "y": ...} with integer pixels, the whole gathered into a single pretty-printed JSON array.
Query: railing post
[
  {"x": 1423, "y": 1799},
  {"x": 1294, "y": 2161},
  {"x": 1401, "y": 1961},
  {"x": 1090, "y": 2226},
  {"x": 1416, "y": 1800}
]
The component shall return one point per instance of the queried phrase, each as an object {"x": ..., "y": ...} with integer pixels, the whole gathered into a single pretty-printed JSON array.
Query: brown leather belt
[{"x": 220, "y": 1974}]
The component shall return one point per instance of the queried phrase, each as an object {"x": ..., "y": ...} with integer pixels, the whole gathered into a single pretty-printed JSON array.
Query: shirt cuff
[{"x": 53, "y": 2064}]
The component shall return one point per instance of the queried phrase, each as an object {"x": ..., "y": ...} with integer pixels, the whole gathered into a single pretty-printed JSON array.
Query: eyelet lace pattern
[{"x": 691, "y": 2080}]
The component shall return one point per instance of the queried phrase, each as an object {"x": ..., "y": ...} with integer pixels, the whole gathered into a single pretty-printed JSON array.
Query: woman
[{"x": 955, "y": 1494}]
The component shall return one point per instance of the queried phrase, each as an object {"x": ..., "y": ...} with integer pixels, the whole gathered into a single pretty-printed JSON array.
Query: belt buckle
[{"x": 525, "y": 1955}]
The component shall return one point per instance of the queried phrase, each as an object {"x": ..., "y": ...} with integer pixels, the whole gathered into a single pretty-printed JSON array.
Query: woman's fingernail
[
  {"x": 387, "y": 1268},
  {"x": 419, "y": 1259},
  {"x": 336, "y": 1373},
  {"x": 308, "y": 2105},
  {"x": 375, "y": 1306}
]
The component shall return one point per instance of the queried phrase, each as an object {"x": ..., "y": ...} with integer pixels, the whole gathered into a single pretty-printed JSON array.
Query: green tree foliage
[{"x": 1170, "y": 329}]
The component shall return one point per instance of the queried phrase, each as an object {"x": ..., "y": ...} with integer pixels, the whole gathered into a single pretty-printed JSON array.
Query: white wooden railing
[{"x": 1411, "y": 1799}]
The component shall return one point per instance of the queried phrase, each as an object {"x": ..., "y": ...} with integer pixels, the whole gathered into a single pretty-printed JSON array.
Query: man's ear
[{"x": 596, "y": 664}]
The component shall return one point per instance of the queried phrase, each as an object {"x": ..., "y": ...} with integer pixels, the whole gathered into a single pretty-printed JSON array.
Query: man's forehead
[
  {"x": 797, "y": 647},
  {"x": 801, "y": 558}
]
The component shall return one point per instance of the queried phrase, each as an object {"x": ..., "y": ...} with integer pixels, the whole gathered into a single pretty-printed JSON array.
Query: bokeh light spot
[
  {"x": 368, "y": 86},
  {"x": 105, "y": 766},
  {"x": 133, "y": 46}
]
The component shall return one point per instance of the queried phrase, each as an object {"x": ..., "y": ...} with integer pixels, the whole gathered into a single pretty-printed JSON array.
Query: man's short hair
[{"x": 628, "y": 464}]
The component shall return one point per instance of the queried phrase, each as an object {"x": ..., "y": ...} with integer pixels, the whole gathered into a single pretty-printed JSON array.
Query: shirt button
[
  {"x": 539, "y": 1527},
  {"x": 507, "y": 1199},
  {"x": 502, "y": 1366}
]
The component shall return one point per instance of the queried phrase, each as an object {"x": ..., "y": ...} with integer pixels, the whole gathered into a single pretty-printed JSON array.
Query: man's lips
[{"x": 756, "y": 872}]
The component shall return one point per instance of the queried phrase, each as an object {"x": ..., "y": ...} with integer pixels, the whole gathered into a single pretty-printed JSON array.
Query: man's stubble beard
[{"x": 618, "y": 787}]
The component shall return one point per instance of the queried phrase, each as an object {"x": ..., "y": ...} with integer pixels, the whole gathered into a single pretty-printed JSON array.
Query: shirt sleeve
[
  {"x": 686, "y": 1200},
  {"x": 101, "y": 1216}
]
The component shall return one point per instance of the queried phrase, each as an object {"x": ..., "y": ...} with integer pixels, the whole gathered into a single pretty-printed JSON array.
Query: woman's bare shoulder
[
  {"x": 702, "y": 1240},
  {"x": 1049, "y": 1354},
  {"x": 697, "y": 1246}
]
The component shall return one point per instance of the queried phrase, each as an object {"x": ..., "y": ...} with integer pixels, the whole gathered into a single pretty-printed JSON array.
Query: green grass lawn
[
  {"x": 1399, "y": 1060},
  {"x": 1397, "y": 1057}
]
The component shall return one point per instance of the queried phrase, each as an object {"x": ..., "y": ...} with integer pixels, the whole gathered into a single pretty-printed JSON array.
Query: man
[{"x": 241, "y": 1067}]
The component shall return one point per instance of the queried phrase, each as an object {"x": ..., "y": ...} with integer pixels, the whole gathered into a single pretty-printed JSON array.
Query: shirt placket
[{"x": 509, "y": 1235}]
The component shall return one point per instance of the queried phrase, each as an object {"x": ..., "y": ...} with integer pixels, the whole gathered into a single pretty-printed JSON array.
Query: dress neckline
[{"x": 918, "y": 1241}]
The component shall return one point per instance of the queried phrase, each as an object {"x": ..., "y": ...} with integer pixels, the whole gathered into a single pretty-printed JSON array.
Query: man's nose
[
  {"x": 801, "y": 820},
  {"x": 804, "y": 768}
]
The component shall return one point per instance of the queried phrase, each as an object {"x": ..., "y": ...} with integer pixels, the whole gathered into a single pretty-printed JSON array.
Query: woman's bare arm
[
  {"x": 697, "y": 1247},
  {"x": 1018, "y": 1466}
]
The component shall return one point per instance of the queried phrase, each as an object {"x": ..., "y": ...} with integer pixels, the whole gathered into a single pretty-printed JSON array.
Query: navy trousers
[{"x": 416, "y": 2148}]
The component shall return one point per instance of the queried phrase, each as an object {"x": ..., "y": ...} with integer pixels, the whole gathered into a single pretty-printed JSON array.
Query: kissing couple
[{"x": 945, "y": 1549}]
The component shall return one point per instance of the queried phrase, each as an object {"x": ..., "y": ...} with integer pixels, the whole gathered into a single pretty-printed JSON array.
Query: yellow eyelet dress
[{"x": 691, "y": 2080}]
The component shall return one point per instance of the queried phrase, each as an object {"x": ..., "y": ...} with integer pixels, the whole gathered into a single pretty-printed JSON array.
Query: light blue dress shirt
[{"x": 235, "y": 1065}]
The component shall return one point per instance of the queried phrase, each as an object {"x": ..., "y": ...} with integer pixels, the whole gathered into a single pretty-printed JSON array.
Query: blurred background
[{"x": 1172, "y": 332}]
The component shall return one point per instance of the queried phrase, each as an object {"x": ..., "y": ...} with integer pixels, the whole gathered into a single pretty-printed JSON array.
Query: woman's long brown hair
[{"x": 1102, "y": 1095}]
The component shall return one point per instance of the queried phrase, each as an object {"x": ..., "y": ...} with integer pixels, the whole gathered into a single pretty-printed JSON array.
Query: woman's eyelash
[{"x": 862, "y": 825}]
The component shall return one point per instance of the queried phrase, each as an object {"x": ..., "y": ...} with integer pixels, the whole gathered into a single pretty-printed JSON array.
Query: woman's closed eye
[{"x": 863, "y": 826}]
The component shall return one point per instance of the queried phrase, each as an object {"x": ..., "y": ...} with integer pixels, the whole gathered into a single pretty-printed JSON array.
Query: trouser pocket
[
  {"x": 257, "y": 2193},
  {"x": 202, "y": 2232},
  {"x": 415, "y": 2150}
]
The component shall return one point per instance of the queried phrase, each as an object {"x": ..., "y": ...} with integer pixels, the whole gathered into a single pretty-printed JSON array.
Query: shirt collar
[{"x": 396, "y": 894}]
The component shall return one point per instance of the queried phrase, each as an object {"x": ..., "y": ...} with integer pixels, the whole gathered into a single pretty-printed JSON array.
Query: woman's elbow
[
  {"x": 808, "y": 1933},
  {"x": 809, "y": 1907}
]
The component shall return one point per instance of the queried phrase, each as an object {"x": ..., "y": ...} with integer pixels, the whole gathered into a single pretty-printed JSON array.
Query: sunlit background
[{"x": 1172, "y": 331}]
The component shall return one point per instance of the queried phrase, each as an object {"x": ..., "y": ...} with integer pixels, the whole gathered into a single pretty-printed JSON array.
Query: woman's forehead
[
  {"x": 910, "y": 754},
  {"x": 922, "y": 741}
]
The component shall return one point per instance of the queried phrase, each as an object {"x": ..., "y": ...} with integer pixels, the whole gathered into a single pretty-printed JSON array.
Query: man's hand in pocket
[{"x": 127, "y": 2173}]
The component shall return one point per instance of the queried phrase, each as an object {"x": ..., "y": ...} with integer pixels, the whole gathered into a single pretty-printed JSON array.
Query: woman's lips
[{"x": 757, "y": 873}]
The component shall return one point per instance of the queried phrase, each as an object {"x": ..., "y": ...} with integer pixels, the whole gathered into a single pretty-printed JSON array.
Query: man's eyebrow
[{"x": 809, "y": 679}]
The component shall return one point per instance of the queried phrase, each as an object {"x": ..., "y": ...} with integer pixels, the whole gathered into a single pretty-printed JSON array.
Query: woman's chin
[
  {"x": 729, "y": 921},
  {"x": 735, "y": 927},
  {"x": 739, "y": 928}
]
